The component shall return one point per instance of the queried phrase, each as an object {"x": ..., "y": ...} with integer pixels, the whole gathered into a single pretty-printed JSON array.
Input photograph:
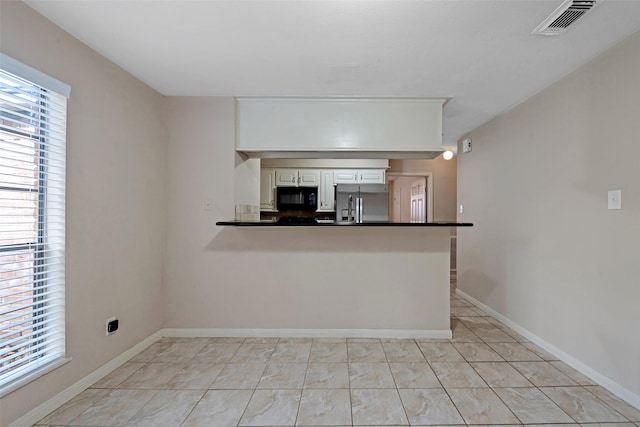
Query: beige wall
[
  {"x": 115, "y": 186},
  {"x": 443, "y": 178},
  {"x": 545, "y": 252}
]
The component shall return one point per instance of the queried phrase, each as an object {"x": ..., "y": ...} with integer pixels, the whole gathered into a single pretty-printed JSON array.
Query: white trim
[
  {"x": 615, "y": 388},
  {"x": 309, "y": 333},
  {"x": 26, "y": 72},
  {"x": 72, "y": 391}
]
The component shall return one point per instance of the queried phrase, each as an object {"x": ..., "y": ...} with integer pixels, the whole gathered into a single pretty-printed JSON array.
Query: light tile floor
[{"x": 487, "y": 374}]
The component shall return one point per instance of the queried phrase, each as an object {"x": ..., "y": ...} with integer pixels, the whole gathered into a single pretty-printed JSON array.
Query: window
[{"x": 32, "y": 222}]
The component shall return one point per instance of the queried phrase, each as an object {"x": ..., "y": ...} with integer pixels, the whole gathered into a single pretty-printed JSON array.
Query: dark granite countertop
[{"x": 334, "y": 224}]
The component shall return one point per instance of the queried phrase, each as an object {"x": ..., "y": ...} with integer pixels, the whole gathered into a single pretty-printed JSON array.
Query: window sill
[{"x": 33, "y": 375}]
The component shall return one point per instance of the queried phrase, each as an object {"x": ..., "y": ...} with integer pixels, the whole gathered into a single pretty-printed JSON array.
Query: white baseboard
[
  {"x": 615, "y": 388},
  {"x": 309, "y": 333},
  {"x": 72, "y": 391}
]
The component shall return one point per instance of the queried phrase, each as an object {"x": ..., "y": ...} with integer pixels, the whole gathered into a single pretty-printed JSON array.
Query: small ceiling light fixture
[{"x": 447, "y": 155}]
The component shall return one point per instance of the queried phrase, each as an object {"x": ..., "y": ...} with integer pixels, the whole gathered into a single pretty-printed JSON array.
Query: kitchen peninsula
[{"x": 388, "y": 280}]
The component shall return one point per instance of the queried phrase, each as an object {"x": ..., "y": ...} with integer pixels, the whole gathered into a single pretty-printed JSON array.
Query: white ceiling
[{"x": 481, "y": 53}]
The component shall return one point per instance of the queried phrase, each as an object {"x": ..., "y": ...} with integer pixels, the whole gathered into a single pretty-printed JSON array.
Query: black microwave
[{"x": 297, "y": 198}]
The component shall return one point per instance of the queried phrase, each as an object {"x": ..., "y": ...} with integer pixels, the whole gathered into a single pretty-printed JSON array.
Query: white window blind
[{"x": 32, "y": 226}]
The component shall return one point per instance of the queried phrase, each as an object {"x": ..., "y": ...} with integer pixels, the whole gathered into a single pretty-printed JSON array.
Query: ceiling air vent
[{"x": 565, "y": 15}]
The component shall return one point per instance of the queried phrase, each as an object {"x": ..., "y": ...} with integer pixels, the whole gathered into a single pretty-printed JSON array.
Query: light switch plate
[{"x": 614, "y": 199}]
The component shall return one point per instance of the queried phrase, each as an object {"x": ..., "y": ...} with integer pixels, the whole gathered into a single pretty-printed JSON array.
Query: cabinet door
[
  {"x": 371, "y": 176},
  {"x": 309, "y": 178},
  {"x": 327, "y": 192},
  {"x": 267, "y": 189},
  {"x": 345, "y": 176},
  {"x": 287, "y": 178}
]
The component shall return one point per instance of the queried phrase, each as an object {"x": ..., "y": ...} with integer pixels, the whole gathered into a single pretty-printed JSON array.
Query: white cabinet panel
[
  {"x": 327, "y": 192},
  {"x": 267, "y": 189},
  {"x": 345, "y": 176},
  {"x": 371, "y": 176},
  {"x": 287, "y": 178},
  {"x": 362, "y": 176},
  {"x": 308, "y": 178}
]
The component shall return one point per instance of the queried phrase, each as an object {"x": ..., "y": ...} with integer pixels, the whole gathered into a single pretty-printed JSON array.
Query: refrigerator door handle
[{"x": 359, "y": 208}]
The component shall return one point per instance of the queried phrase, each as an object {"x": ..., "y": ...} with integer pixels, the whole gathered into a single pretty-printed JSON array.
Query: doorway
[{"x": 412, "y": 199}]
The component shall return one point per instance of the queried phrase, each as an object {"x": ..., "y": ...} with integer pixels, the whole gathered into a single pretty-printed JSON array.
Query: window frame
[{"x": 42, "y": 305}]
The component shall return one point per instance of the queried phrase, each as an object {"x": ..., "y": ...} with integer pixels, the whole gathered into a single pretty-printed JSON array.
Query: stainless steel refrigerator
[{"x": 362, "y": 203}]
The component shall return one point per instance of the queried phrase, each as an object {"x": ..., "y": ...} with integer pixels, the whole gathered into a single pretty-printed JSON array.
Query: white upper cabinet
[
  {"x": 287, "y": 178},
  {"x": 371, "y": 176},
  {"x": 339, "y": 127},
  {"x": 363, "y": 176},
  {"x": 297, "y": 178},
  {"x": 327, "y": 192},
  {"x": 308, "y": 178},
  {"x": 345, "y": 176}
]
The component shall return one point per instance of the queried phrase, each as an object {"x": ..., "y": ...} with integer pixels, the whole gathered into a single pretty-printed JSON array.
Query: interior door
[{"x": 418, "y": 200}]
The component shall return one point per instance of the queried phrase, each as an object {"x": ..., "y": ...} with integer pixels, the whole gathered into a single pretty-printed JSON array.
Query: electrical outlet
[
  {"x": 461, "y": 208},
  {"x": 112, "y": 326},
  {"x": 466, "y": 145}
]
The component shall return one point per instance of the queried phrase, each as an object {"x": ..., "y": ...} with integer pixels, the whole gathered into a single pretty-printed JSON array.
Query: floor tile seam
[
  {"x": 509, "y": 408},
  {"x": 349, "y": 378},
  {"x": 478, "y": 361},
  {"x": 487, "y": 383},
  {"x": 562, "y": 374},
  {"x": 105, "y": 395},
  {"x": 194, "y": 407},
  {"x": 306, "y": 371},
  {"x": 253, "y": 392},
  {"x": 349, "y": 383},
  {"x": 125, "y": 379},
  {"x": 605, "y": 403},
  {"x": 404, "y": 407},
  {"x": 556, "y": 403},
  {"x": 295, "y": 421},
  {"x": 588, "y": 386},
  {"x": 384, "y": 352},
  {"x": 452, "y": 401}
]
